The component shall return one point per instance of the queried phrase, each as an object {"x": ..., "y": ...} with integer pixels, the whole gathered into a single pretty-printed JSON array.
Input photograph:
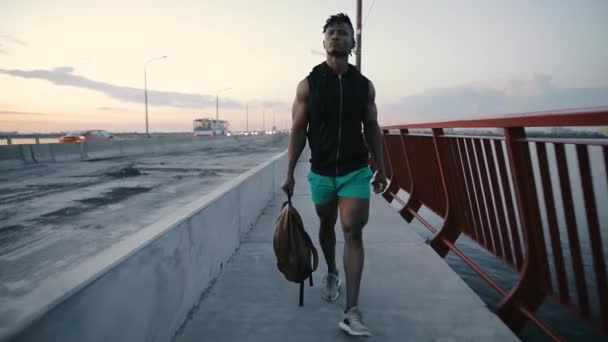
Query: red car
[{"x": 92, "y": 135}]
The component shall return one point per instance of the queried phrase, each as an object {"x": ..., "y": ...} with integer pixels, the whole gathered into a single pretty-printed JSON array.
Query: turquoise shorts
[{"x": 325, "y": 189}]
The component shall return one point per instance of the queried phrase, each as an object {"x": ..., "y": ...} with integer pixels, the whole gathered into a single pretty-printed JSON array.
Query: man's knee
[
  {"x": 327, "y": 235},
  {"x": 353, "y": 229},
  {"x": 355, "y": 223},
  {"x": 328, "y": 222},
  {"x": 327, "y": 227},
  {"x": 328, "y": 215},
  {"x": 353, "y": 235},
  {"x": 354, "y": 213}
]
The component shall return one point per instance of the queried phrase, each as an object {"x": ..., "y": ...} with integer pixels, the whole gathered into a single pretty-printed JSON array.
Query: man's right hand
[{"x": 288, "y": 185}]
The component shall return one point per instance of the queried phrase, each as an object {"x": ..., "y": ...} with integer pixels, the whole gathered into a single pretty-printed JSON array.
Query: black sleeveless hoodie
[{"x": 336, "y": 111}]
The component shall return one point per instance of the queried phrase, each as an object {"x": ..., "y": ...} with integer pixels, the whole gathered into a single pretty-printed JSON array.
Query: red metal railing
[{"x": 507, "y": 193}]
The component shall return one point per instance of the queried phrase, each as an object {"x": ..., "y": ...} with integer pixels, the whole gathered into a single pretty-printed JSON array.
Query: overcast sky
[{"x": 74, "y": 64}]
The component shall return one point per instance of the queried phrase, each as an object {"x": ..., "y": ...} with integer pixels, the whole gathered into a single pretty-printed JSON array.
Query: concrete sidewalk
[{"x": 408, "y": 293}]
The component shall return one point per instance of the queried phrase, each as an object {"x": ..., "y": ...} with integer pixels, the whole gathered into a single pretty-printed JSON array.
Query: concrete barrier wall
[
  {"x": 42, "y": 153},
  {"x": 143, "y": 288},
  {"x": 101, "y": 150},
  {"x": 27, "y": 154},
  {"x": 15, "y": 155},
  {"x": 131, "y": 147},
  {"x": 67, "y": 152},
  {"x": 10, "y": 156}
]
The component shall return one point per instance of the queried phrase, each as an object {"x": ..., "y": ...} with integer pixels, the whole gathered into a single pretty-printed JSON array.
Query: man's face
[{"x": 338, "y": 40}]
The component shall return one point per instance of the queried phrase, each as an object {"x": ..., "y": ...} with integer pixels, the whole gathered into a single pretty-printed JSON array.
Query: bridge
[{"x": 207, "y": 271}]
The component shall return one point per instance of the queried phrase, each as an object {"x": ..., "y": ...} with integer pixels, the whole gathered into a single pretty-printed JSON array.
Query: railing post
[
  {"x": 413, "y": 204},
  {"x": 531, "y": 288},
  {"x": 393, "y": 186},
  {"x": 449, "y": 232}
]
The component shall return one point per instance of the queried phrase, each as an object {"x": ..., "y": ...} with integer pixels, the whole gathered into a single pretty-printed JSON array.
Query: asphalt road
[{"x": 54, "y": 215}]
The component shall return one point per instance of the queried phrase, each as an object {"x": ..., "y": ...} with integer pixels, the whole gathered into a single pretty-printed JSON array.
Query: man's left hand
[{"x": 379, "y": 182}]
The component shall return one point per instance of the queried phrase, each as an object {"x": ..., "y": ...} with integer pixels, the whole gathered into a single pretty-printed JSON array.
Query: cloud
[
  {"x": 6, "y": 38},
  {"x": 10, "y": 112},
  {"x": 20, "y": 113},
  {"x": 11, "y": 39},
  {"x": 537, "y": 93},
  {"x": 269, "y": 104},
  {"x": 114, "y": 109},
  {"x": 64, "y": 76}
]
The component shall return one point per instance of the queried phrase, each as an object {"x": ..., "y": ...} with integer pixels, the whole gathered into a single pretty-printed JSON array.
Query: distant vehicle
[
  {"x": 90, "y": 135},
  {"x": 210, "y": 127},
  {"x": 244, "y": 133}
]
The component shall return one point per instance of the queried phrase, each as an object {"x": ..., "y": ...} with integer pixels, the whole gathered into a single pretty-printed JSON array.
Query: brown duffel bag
[{"x": 297, "y": 257}]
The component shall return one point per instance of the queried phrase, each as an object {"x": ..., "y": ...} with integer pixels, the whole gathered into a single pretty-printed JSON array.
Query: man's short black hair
[{"x": 338, "y": 18}]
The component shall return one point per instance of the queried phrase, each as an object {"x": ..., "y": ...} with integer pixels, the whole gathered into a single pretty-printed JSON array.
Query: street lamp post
[
  {"x": 146, "y": 88},
  {"x": 217, "y": 106},
  {"x": 358, "y": 39}
]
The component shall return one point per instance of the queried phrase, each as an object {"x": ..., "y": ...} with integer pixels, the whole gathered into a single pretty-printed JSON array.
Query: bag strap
[
  {"x": 315, "y": 254},
  {"x": 315, "y": 260},
  {"x": 301, "y": 293}
]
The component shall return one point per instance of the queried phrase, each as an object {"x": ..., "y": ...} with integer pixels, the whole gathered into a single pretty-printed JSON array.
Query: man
[{"x": 332, "y": 105}]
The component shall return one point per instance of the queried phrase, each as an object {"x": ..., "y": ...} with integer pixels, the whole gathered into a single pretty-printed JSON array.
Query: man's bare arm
[
  {"x": 297, "y": 139},
  {"x": 371, "y": 129}
]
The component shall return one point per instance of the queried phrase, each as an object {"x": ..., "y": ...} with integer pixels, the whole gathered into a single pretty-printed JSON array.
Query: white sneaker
[
  {"x": 352, "y": 323},
  {"x": 331, "y": 291}
]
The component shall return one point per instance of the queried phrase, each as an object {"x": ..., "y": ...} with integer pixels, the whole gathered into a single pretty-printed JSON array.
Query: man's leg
[
  {"x": 328, "y": 214},
  {"x": 353, "y": 202},
  {"x": 323, "y": 190},
  {"x": 354, "y": 213}
]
